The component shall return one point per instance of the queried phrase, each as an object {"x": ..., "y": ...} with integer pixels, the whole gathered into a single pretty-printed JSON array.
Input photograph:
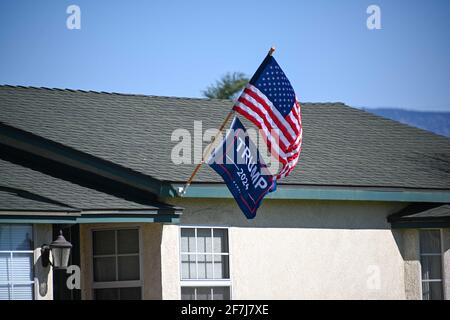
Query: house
[{"x": 365, "y": 215}]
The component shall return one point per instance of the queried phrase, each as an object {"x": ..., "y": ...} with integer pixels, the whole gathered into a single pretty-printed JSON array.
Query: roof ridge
[
  {"x": 365, "y": 111},
  {"x": 149, "y": 95},
  {"x": 109, "y": 93},
  {"x": 327, "y": 103}
]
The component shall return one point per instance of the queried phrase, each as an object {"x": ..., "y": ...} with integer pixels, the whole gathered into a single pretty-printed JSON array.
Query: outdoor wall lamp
[{"x": 60, "y": 249}]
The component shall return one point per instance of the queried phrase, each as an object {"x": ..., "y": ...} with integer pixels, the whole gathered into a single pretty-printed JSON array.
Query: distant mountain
[{"x": 437, "y": 122}]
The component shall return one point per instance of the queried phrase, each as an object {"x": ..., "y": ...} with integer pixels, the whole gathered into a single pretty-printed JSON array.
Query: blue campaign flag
[{"x": 239, "y": 163}]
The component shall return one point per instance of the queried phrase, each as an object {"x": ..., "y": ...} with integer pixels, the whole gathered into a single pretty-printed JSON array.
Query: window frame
[
  {"x": 33, "y": 258},
  {"x": 441, "y": 254},
  {"x": 117, "y": 284},
  {"x": 206, "y": 282}
]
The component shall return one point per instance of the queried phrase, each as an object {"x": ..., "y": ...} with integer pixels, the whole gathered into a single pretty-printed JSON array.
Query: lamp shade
[{"x": 60, "y": 252}]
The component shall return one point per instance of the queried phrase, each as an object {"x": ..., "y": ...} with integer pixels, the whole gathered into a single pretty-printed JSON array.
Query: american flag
[{"x": 269, "y": 101}]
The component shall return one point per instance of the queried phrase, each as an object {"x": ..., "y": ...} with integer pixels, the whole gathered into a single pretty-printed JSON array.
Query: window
[
  {"x": 116, "y": 262},
  {"x": 205, "y": 267},
  {"x": 16, "y": 262},
  {"x": 431, "y": 262},
  {"x": 205, "y": 293}
]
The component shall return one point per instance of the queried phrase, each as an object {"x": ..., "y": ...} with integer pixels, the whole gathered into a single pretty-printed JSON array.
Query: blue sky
[{"x": 177, "y": 48}]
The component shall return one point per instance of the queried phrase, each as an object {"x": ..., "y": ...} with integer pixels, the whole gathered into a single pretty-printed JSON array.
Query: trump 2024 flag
[{"x": 239, "y": 163}]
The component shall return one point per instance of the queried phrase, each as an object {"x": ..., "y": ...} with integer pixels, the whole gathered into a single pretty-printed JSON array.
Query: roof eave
[
  {"x": 150, "y": 215},
  {"x": 54, "y": 152},
  {"x": 292, "y": 192}
]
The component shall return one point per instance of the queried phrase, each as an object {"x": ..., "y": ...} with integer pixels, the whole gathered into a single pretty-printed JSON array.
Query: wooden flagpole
[{"x": 182, "y": 190}]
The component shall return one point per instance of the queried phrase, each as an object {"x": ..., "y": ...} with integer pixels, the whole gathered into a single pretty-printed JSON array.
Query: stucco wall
[
  {"x": 43, "y": 277},
  {"x": 411, "y": 256},
  {"x": 306, "y": 249},
  {"x": 446, "y": 263},
  {"x": 291, "y": 250},
  {"x": 170, "y": 261}
]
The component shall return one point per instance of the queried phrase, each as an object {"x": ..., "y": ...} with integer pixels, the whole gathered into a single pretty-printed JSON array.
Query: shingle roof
[
  {"x": 423, "y": 211},
  {"x": 19, "y": 201},
  {"x": 422, "y": 215},
  {"x": 438, "y": 212},
  {"x": 26, "y": 189},
  {"x": 342, "y": 146}
]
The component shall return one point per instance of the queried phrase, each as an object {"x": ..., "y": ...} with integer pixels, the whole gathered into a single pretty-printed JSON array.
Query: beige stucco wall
[
  {"x": 305, "y": 249},
  {"x": 43, "y": 277},
  {"x": 151, "y": 234},
  {"x": 291, "y": 250},
  {"x": 411, "y": 255},
  {"x": 170, "y": 261},
  {"x": 446, "y": 262}
]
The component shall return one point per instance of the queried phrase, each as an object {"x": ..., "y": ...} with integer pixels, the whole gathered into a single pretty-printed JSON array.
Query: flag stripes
[{"x": 283, "y": 135}]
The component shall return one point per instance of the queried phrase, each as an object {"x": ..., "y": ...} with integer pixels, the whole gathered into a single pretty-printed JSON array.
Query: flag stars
[{"x": 274, "y": 84}]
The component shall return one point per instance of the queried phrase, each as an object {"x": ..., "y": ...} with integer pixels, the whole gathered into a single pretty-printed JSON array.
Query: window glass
[
  {"x": 188, "y": 240},
  {"x": 188, "y": 293},
  {"x": 204, "y": 293},
  {"x": 200, "y": 266},
  {"x": 205, "y": 266},
  {"x": 5, "y": 267},
  {"x": 430, "y": 241},
  {"x": 22, "y": 292},
  {"x": 105, "y": 269},
  {"x": 188, "y": 266},
  {"x": 204, "y": 240},
  {"x": 116, "y": 259},
  {"x": 128, "y": 268},
  {"x": 204, "y": 255},
  {"x": 220, "y": 240},
  {"x": 431, "y": 264},
  {"x": 221, "y": 293},
  {"x": 431, "y": 267},
  {"x": 16, "y": 237},
  {"x": 22, "y": 266},
  {"x": 127, "y": 241},
  {"x": 130, "y": 293},
  {"x": 16, "y": 262},
  {"x": 6, "y": 293},
  {"x": 104, "y": 242},
  {"x": 221, "y": 267},
  {"x": 106, "y": 294},
  {"x": 432, "y": 290}
]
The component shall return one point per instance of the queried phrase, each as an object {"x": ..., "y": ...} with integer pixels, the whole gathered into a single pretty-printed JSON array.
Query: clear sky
[{"x": 177, "y": 48}]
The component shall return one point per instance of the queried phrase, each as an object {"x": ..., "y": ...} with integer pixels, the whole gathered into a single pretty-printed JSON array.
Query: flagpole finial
[{"x": 271, "y": 50}]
